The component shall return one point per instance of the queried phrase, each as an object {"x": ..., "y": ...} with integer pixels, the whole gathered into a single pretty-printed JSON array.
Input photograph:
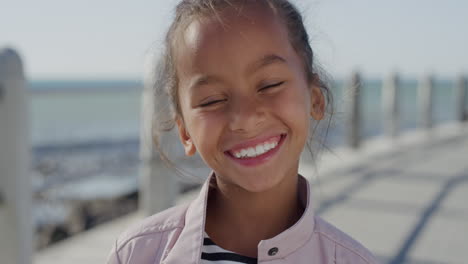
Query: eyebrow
[
  {"x": 204, "y": 80},
  {"x": 265, "y": 61}
]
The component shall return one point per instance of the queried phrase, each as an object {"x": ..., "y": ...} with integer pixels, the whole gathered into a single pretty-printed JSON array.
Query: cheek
[
  {"x": 293, "y": 104},
  {"x": 201, "y": 125}
]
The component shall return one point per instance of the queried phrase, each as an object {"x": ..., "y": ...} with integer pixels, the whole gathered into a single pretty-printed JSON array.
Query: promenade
[{"x": 404, "y": 199}]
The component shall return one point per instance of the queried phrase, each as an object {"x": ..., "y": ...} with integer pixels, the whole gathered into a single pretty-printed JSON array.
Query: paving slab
[{"x": 88, "y": 247}]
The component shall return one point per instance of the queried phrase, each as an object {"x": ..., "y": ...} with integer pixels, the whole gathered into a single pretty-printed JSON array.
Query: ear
[
  {"x": 185, "y": 138},
  {"x": 317, "y": 102}
]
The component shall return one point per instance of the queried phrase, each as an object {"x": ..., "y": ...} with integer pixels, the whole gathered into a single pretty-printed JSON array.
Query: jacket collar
[
  {"x": 189, "y": 244},
  {"x": 188, "y": 247}
]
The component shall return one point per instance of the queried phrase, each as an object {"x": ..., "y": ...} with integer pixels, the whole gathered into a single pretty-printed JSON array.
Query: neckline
[
  {"x": 190, "y": 240},
  {"x": 208, "y": 242}
]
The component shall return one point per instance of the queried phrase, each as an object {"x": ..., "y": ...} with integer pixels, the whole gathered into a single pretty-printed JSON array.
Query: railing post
[
  {"x": 16, "y": 226},
  {"x": 353, "y": 114},
  {"x": 158, "y": 185},
  {"x": 426, "y": 87},
  {"x": 390, "y": 93},
  {"x": 461, "y": 94}
]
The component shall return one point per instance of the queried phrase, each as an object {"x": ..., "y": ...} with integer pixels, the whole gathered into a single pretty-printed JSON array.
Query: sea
[
  {"x": 98, "y": 116},
  {"x": 85, "y": 134},
  {"x": 96, "y": 124},
  {"x": 82, "y": 112}
]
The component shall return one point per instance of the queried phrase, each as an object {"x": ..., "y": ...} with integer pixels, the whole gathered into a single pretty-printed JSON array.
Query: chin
[{"x": 260, "y": 183}]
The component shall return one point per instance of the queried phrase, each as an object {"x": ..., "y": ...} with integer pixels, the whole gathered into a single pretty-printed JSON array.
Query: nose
[{"x": 246, "y": 115}]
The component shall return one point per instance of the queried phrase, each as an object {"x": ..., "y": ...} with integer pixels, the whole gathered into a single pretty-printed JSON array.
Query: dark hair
[{"x": 166, "y": 82}]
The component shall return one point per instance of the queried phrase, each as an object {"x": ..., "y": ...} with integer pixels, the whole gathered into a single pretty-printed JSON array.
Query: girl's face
[{"x": 244, "y": 97}]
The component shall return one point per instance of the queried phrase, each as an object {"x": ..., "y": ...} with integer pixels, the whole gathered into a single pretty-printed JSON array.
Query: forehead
[
  {"x": 230, "y": 38},
  {"x": 230, "y": 20}
]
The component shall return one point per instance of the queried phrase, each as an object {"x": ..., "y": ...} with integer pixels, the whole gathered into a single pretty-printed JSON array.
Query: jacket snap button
[{"x": 272, "y": 251}]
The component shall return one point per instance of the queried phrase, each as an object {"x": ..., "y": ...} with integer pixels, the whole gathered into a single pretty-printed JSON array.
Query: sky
[{"x": 113, "y": 39}]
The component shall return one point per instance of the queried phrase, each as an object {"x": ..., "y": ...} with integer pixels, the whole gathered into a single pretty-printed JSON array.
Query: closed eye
[
  {"x": 270, "y": 86},
  {"x": 210, "y": 103}
]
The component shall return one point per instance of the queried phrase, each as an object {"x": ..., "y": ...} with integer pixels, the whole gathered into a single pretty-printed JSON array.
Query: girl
[{"x": 243, "y": 89}]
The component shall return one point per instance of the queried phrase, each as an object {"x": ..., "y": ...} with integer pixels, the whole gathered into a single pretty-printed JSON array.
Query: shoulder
[
  {"x": 148, "y": 239},
  {"x": 166, "y": 220},
  {"x": 347, "y": 250}
]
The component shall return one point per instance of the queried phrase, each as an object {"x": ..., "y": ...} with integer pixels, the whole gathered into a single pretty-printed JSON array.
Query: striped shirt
[{"x": 212, "y": 253}]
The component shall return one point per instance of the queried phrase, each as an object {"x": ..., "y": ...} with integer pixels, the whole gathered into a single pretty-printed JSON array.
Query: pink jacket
[{"x": 176, "y": 236}]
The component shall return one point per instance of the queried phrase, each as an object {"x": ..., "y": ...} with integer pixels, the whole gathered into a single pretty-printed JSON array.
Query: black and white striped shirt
[{"x": 212, "y": 253}]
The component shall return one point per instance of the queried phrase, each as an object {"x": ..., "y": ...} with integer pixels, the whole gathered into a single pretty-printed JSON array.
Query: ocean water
[
  {"x": 85, "y": 147},
  {"x": 79, "y": 112},
  {"x": 371, "y": 107}
]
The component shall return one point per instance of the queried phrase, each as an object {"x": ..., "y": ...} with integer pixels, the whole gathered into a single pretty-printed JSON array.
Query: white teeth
[
  {"x": 259, "y": 149},
  {"x": 255, "y": 151},
  {"x": 251, "y": 152},
  {"x": 244, "y": 152}
]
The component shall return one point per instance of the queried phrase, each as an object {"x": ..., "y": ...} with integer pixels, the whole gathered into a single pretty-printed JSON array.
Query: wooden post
[
  {"x": 390, "y": 91},
  {"x": 16, "y": 226},
  {"x": 158, "y": 185},
  {"x": 461, "y": 94},
  {"x": 352, "y": 111},
  {"x": 426, "y": 87}
]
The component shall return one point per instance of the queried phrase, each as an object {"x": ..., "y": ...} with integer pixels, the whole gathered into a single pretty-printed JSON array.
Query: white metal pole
[
  {"x": 390, "y": 91},
  {"x": 426, "y": 87},
  {"x": 461, "y": 94},
  {"x": 16, "y": 229},
  {"x": 353, "y": 114},
  {"x": 158, "y": 184}
]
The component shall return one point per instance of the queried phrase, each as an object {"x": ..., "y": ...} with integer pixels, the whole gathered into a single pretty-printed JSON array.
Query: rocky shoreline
[{"x": 79, "y": 186}]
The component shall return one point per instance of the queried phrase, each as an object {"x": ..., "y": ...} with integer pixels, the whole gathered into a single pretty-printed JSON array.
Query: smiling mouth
[{"x": 262, "y": 149}]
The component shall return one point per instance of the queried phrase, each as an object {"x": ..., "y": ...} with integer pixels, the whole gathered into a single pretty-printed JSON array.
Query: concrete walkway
[
  {"x": 406, "y": 200},
  {"x": 408, "y": 205}
]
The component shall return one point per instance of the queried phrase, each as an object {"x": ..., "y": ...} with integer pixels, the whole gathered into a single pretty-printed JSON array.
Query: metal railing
[{"x": 391, "y": 89}]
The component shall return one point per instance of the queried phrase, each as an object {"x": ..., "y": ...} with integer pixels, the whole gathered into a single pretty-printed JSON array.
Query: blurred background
[{"x": 85, "y": 64}]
